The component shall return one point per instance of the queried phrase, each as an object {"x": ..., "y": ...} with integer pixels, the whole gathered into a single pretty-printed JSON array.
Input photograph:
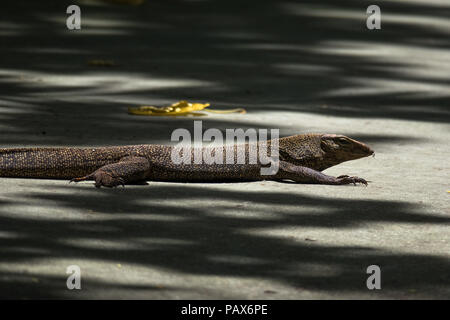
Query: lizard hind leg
[{"x": 127, "y": 170}]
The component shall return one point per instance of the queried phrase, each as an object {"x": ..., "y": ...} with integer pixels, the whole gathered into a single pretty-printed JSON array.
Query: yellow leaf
[{"x": 180, "y": 108}]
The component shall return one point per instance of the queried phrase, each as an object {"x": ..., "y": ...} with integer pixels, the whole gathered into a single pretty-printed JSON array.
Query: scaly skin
[{"x": 302, "y": 158}]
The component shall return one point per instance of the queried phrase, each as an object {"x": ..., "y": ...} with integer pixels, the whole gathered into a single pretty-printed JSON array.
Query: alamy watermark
[
  {"x": 192, "y": 151},
  {"x": 374, "y": 19},
  {"x": 374, "y": 280},
  {"x": 73, "y": 22},
  {"x": 74, "y": 280}
]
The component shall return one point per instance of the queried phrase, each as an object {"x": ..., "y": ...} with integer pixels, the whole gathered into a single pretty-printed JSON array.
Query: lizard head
[
  {"x": 342, "y": 148},
  {"x": 321, "y": 151}
]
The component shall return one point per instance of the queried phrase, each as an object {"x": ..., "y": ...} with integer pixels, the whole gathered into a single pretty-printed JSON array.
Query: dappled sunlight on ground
[{"x": 297, "y": 67}]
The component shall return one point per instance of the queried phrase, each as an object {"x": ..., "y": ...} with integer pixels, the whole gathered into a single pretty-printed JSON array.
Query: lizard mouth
[
  {"x": 363, "y": 149},
  {"x": 367, "y": 150}
]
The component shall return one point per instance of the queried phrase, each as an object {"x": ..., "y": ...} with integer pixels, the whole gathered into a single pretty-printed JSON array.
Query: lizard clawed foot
[
  {"x": 106, "y": 179},
  {"x": 345, "y": 179},
  {"x": 127, "y": 170},
  {"x": 102, "y": 179}
]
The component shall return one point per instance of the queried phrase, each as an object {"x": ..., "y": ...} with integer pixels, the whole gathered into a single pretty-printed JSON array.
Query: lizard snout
[{"x": 365, "y": 149}]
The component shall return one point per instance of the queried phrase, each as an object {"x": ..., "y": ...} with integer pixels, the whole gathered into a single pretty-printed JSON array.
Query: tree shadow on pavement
[{"x": 224, "y": 239}]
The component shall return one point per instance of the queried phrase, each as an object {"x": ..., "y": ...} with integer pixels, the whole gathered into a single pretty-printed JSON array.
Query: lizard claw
[
  {"x": 347, "y": 180},
  {"x": 80, "y": 179}
]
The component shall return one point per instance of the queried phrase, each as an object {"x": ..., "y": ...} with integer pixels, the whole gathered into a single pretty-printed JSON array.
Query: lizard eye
[{"x": 343, "y": 141}]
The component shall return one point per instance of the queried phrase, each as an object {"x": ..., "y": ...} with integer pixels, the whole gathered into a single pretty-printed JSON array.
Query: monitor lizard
[{"x": 301, "y": 159}]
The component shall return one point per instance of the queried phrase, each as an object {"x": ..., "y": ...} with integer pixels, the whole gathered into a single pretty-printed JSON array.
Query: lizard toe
[
  {"x": 88, "y": 177},
  {"x": 353, "y": 180}
]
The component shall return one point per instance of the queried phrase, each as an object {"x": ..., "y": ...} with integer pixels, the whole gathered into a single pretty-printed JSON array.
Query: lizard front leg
[
  {"x": 127, "y": 170},
  {"x": 288, "y": 171}
]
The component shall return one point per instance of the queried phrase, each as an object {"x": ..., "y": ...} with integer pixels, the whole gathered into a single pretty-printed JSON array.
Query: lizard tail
[{"x": 54, "y": 163}]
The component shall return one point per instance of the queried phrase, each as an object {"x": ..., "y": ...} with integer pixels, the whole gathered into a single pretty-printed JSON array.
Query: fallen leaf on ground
[{"x": 180, "y": 108}]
